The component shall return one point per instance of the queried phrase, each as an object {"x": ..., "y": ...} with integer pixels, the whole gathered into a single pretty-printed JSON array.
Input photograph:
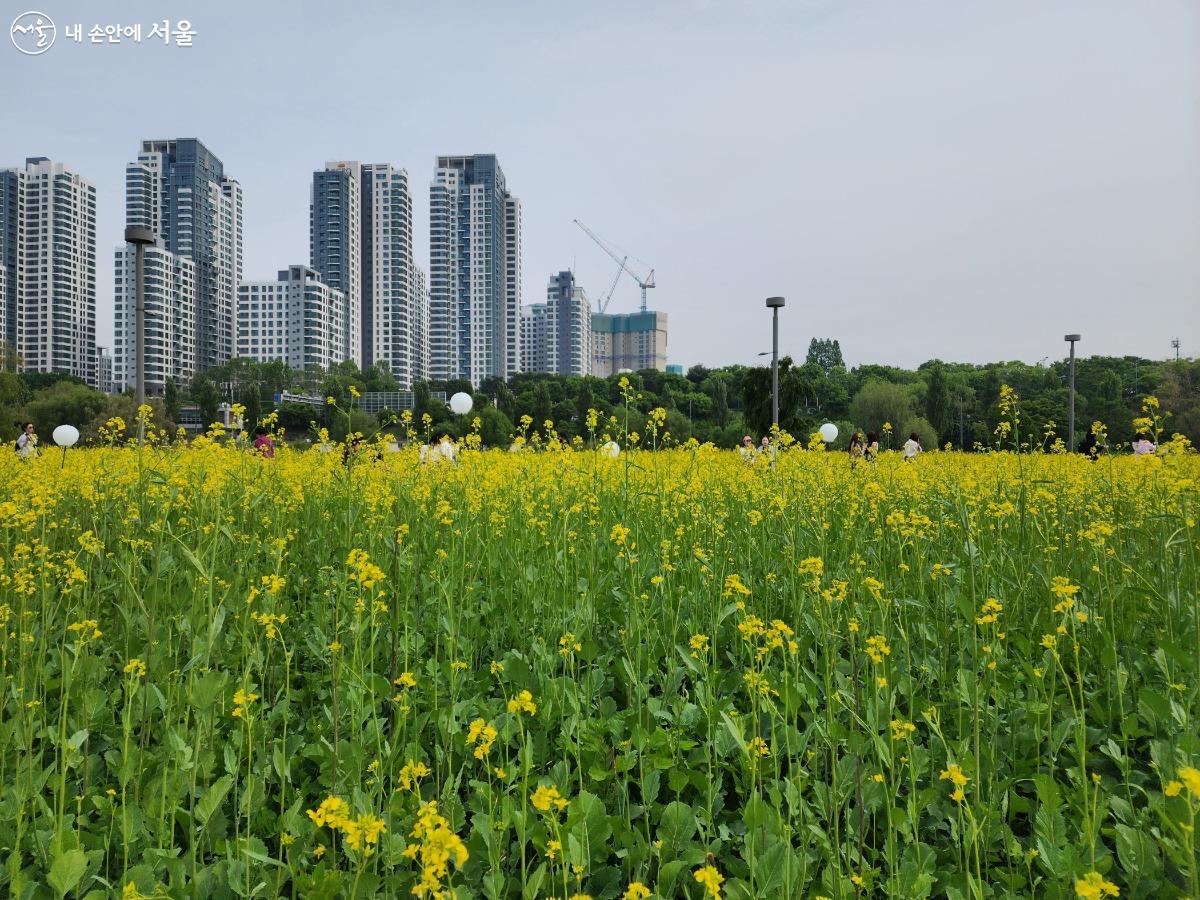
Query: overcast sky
[{"x": 919, "y": 178}]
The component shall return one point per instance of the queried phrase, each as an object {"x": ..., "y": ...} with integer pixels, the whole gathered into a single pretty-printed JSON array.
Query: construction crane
[{"x": 623, "y": 263}]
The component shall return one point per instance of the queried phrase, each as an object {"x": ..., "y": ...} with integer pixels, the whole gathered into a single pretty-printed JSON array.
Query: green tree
[
  {"x": 65, "y": 403},
  {"x": 878, "y": 402},
  {"x": 937, "y": 401},
  {"x": 720, "y": 399},
  {"x": 171, "y": 399},
  {"x": 826, "y": 354},
  {"x": 206, "y": 395}
]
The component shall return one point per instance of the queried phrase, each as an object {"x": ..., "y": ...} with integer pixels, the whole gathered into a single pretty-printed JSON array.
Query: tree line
[{"x": 946, "y": 403}]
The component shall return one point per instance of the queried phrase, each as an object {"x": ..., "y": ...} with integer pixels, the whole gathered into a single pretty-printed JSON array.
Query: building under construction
[{"x": 628, "y": 342}]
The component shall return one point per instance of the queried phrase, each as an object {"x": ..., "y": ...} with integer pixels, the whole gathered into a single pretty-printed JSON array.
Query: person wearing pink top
[{"x": 263, "y": 444}]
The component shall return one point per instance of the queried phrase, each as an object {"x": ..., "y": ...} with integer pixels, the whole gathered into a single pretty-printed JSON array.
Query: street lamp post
[
  {"x": 139, "y": 237},
  {"x": 1071, "y": 339},
  {"x": 773, "y": 304}
]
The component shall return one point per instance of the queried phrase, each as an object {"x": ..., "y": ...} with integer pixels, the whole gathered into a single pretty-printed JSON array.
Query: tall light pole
[
  {"x": 1071, "y": 339},
  {"x": 139, "y": 237},
  {"x": 773, "y": 304}
]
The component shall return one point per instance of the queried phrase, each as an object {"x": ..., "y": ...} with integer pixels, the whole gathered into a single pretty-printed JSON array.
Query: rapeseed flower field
[{"x": 572, "y": 674}]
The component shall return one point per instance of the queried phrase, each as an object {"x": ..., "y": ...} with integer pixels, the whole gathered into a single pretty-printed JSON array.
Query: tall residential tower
[
  {"x": 361, "y": 235},
  {"x": 48, "y": 268},
  {"x": 556, "y": 336},
  {"x": 475, "y": 271},
  {"x": 178, "y": 189}
]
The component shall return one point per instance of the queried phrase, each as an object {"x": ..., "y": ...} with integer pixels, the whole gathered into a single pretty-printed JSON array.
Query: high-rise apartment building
[
  {"x": 336, "y": 244},
  {"x": 533, "y": 338},
  {"x": 170, "y": 320},
  {"x": 104, "y": 370},
  {"x": 178, "y": 189},
  {"x": 475, "y": 271},
  {"x": 48, "y": 266},
  {"x": 12, "y": 231},
  {"x": 392, "y": 316},
  {"x": 361, "y": 233},
  {"x": 421, "y": 329},
  {"x": 556, "y": 336},
  {"x": 569, "y": 326},
  {"x": 628, "y": 342},
  {"x": 296, "y": 318}
]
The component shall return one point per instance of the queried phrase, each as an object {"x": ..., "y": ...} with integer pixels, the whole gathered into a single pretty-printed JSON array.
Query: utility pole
[
  {"x": 773, "y": 304},
  {"x": 139, "y": 237},
  {"x": 1072, "y": 338},
  {"x": 1175, "y": 344},
  {"x": 961, "y": 439}
]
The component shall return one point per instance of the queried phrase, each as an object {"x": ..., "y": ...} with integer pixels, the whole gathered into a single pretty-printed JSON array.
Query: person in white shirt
[
  {"x": 912, "y": 446},
  {"x": 27, "y": 442},
  {"x": 1143, "y": 446}
]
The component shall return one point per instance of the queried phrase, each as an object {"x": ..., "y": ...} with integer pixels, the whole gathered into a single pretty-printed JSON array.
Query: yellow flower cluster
[
  {"x": 989, "y": 613},
  {"x": 1092, "y": 886},
  {"x": 481, "y": 735},
  {"x": 567, "y": 644},
  {"x": 364, "y": 572},
  {"x": 88, "y": 630},
  {"x": 710, "y": 879},
  {"x": 877, "y": 648},
  {"x": 954, "y": 774},
  {"x": 546, "y": 798},
  {"x": 241, "y": 702},
  {"x": 522, "y": 703},
  {"x": 411, "y": 773},
  {"x": 360, "y": 833}
]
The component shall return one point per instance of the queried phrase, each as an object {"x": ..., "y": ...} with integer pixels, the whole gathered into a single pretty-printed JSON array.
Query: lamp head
[
  {"x": 137, "y": 235},
  {"x": 775, "y": 302},
  {"x": 1071, "y": 337}
]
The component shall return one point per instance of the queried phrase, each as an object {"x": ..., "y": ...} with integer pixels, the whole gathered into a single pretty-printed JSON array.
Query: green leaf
[
  {"x": 1137, "y": 853},
  {"x": 213, "y": 798},
  {"x": 676, "y": 827},
  {"x": 67, "y": 870}
]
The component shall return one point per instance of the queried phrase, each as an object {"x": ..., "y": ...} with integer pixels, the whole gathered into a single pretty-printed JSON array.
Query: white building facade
[
  {"x": 297, "y": 319},
  {"x": 169, "y": 322},
  {"x": 179, "y": 191},
  {"x": 475, "y": 271},
  {"x": 48, "y": 268}
]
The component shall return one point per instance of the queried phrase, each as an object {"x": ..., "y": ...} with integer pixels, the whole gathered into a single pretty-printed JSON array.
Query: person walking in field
[
  {"x": 871, "y": 450},
  {"x": 1143, "y": 446},
  {"x": 27, "y": 441},
  {"x": 912, "y": 447}
]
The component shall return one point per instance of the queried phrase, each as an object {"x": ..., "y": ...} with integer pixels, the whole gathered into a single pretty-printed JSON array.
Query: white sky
[{"x": 920, "y": 178}]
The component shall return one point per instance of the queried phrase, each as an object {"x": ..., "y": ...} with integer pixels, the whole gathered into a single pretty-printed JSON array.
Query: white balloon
[
  {"x": 611, "y": 449},
  {"x": 461, "y": 403},
  {"x": 829, "y": 432},
  {"x": 66, "y": 435}
]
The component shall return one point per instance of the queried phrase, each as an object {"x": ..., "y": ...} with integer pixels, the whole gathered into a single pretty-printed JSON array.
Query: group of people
[
  {"x": 1143, "y": 445},
  {"x": 750, "y": 452},
  {"x": 866, "y": 449}
]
